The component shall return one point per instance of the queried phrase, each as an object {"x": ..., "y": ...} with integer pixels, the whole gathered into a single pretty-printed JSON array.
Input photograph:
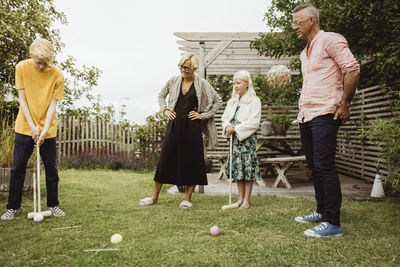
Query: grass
[{"x": 106, "y": 202}]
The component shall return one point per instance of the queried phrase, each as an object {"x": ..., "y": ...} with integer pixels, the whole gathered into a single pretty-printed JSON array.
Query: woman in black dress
[{"x": 191, "y": 100}]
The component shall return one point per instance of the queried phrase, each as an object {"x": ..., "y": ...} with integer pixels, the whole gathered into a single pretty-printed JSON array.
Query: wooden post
[
  {"x": 69, "y": 133},
  {"x": 87, "y": 134},
  {"x": 202, "y": 60},
  {"x": 73, "y": 135},
  {"x": 64, "y": 135},
  {"x": 58, "y": 139}
]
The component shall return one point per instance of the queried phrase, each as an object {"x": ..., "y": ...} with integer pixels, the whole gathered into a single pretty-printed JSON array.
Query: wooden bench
[
  {"x": 222, "y": 161},
  {"x": 221, "y": 157},
  {"x": 281, "y": 166}
]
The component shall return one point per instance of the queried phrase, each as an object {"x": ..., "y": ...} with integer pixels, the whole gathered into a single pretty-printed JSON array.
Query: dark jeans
[
  {"x": 319, "y": 141},
  {"x": 23, "y": 149}
]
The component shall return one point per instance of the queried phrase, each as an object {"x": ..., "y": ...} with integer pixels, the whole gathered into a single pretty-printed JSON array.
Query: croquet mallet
[{"x": 36, "y": 186}]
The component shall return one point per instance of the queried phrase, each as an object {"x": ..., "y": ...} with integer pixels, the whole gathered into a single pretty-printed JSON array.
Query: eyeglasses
[
  {"x": 184, "y": 68},
  {"x": 299, "y": 22}
]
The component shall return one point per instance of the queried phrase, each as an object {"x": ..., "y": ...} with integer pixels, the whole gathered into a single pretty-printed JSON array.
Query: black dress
[{"x": 182, "y": 156}]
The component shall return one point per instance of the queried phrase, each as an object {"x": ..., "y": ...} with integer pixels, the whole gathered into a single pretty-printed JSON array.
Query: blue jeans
[
  {"x": 23, "y": 149},
  {"x": 319, "y": 141}
]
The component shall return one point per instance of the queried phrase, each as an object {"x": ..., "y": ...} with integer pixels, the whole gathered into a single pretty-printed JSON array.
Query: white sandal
[
  {"x": 185, "y": 204},
  {"x": 146, "y": 201}
]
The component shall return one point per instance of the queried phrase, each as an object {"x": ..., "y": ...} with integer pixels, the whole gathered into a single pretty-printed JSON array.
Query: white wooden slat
[
  {"x": 217, "y": 36},
  {"x": 210, "y": 45},
  {"x": 215, "y": 52}
]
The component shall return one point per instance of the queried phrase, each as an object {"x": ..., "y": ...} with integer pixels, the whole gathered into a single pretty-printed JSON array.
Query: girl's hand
[{"x": 230, "y": 129}]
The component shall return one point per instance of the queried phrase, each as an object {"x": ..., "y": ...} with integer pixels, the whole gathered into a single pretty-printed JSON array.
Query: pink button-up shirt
[{"x": 324, "y": 61}]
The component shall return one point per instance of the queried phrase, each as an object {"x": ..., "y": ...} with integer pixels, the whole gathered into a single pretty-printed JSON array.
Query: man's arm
[
  {"x": 49, "y": 118},
  {"x": 350, "y": 83},
  {"x": 25, "y": 110}
]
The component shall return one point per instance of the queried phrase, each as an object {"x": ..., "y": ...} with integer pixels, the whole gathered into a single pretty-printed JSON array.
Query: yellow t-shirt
[{"x": 40, "y": 88}]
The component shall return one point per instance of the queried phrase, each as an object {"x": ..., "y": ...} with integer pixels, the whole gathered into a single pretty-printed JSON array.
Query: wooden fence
[
  {"x": 79, "y": 134},
  {"x": 356, "y": 156}
]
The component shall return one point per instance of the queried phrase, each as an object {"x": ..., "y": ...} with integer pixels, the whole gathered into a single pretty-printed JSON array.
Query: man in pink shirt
[{"x": 330, "y": 77}]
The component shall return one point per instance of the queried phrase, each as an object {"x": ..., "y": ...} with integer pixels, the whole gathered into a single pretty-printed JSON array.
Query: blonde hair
[
  {"x": 310, "y": 10},
  {"x": 243, "y": 75},
  {"x": 193, "y": 58},
  {"x": 42, "y": 49}
]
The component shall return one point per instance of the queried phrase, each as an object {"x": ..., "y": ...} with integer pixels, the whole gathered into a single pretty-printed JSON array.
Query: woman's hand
[
  {"x": 169, "y": 114},
  {"x": 230, "y": 129},
  {"x": 194, "y": 115}
]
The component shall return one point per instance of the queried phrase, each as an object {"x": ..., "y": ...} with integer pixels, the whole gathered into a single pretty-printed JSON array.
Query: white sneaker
[
  {"x": 56, "y": 211},
  {"x": 9, "y": 214}
]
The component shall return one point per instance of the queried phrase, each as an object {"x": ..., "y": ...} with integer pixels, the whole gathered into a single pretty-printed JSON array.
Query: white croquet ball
[
  {"x": 279, "y": 76},
  {"x": 116, "y": 238},
  {"x": 38, "y": 217}
]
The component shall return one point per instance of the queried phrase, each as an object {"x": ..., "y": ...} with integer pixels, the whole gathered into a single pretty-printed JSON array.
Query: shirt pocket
[{"x": 320, "y": 61}]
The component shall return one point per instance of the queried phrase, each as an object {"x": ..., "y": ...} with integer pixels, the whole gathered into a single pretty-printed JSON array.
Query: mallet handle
[
  {"x": 38, "y": 176},
  {"x": 34, "y": 193},
  {"x": 230, "y": 170}
]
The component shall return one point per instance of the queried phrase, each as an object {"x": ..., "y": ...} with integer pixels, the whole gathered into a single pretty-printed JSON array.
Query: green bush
[
  {"x": 7, "y": 137},
  {"x": 148, "y": 138},
  {"x": 386, "y": 134},
  {"x": 288, "y": 95}
]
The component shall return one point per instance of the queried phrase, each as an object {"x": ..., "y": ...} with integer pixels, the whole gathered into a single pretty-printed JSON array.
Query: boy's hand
[
  {"x": 41, "y": 138},
  {"x": 35, "y": 134}
]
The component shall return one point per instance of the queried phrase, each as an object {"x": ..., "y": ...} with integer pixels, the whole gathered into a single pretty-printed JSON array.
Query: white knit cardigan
[{"x": 249, "y": 116}]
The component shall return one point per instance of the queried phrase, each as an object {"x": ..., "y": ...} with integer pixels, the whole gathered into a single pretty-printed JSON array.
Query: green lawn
[{"x": 106, "y": 202}]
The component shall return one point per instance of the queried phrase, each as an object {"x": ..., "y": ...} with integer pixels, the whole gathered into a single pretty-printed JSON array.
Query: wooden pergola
[{"x": 226, "y": 52}]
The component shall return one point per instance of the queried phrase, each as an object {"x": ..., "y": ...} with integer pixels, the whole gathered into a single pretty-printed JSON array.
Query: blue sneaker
[
  {"x": 314, "y": 217},
  {"x": 324, "y": 230}
]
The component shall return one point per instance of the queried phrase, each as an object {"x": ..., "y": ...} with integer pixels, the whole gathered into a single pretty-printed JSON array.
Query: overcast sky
[{"x": 132, "y": 42}]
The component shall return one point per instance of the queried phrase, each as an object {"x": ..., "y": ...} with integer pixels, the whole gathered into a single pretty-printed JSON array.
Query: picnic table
[
  {"x": 289, "y": 156},
  {"x": 286, "y": 158}
]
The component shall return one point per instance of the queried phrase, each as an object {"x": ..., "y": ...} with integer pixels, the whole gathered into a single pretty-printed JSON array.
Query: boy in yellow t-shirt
[{"x": 40, "y": 85}]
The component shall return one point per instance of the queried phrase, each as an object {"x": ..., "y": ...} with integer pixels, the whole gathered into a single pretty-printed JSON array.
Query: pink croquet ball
[{"x": 215, "y": 231}]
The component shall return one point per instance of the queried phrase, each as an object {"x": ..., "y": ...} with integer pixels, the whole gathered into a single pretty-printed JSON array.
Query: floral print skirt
[{"x": 245, "y": 164}]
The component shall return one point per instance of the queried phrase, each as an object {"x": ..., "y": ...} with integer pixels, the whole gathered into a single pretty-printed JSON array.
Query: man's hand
[
  {"x": 170, "y": 114},
  {"x": 343, "y": 111},
  {"x": 230, "y": 129},
  {"x": 194, "y": 115}
]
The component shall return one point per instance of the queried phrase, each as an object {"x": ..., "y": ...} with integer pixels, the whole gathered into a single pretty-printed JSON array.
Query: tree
[
  {"x": 269, "y": 95},
  {"x": 372, "y": 30},
  {"x": 21, "y": 22}
]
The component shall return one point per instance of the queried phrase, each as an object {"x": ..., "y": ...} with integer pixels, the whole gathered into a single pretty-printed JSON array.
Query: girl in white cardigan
[{"x": 242, "y": 118}]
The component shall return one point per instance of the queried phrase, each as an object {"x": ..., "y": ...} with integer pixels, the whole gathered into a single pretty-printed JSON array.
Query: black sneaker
[
  {"x": 9, "y": 214},
  {"x": 56, "y": 211}
]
